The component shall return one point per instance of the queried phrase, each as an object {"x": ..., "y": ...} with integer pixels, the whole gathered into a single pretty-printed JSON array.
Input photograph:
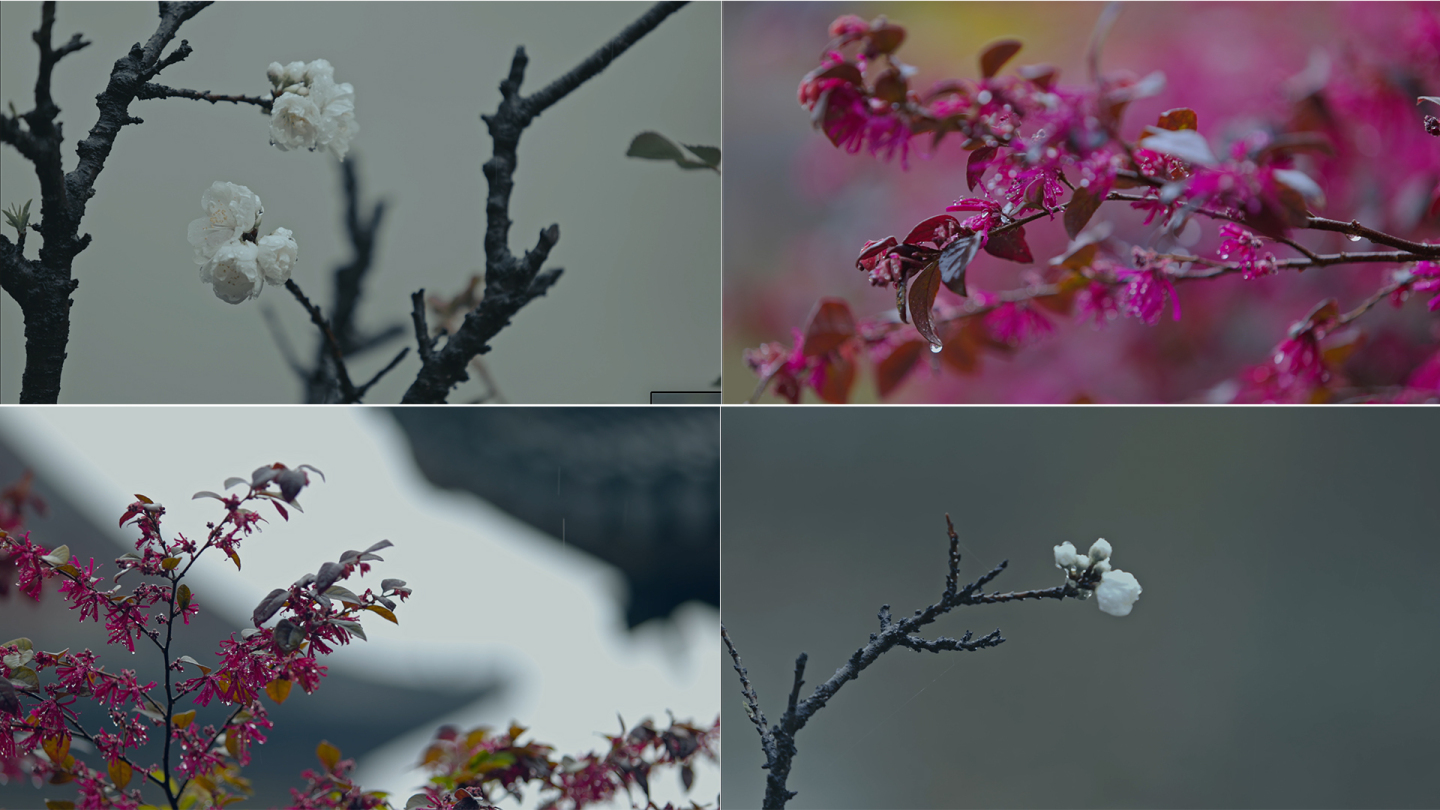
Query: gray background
[
  {"x": 1283, "y": 653},
  {"x": 637, "y": 309}
]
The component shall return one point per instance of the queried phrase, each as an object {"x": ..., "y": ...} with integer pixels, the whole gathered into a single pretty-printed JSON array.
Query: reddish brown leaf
[
  {"x": 978, "y": 163},
  {"x": 1323, "y": 313},
  {"x": 885, "y": 37},
  {"x": 891, "y": 86},
  {"x": 1178, "y": 118},
  {"x": 891, "y": 371},
  {"x": 830, "y": 324},
  {"x": 933, "y": 230},
  {"x": 1082, "y": 207},
  {"x": 960, "y": 352},
  {"x": 923, "y": 289},
  {"x": 1010, "y": 245},
  {"x": 996, "y": 54},
  {"x": 837, "y": 376},
  {"x": 846, "y": 71}
]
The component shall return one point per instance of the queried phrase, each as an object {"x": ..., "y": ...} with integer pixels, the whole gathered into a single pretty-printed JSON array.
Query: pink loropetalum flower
[
  {"x": 1097, "y": 300},
  {"x": 1017, "y": 322},
  {"x": 1146, "y": 288},
  {"x": 1243, "y": 248}
]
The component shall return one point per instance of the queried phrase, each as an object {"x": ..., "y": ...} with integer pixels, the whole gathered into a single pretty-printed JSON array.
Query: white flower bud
[
  {"x": 233, "y": 273},
  {"x": 276, "y": 74},
  {"x": 1065, "y": 555},
  {"x": 276, "y": 255},
  {"x": 1099, "y": 550},
  {"x": 318, "y": 69},
  {"x": 1117, "y": 592}
]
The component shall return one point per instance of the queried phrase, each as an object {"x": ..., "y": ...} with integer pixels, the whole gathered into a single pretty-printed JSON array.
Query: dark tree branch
[
  {"x": 362, "y": 230},
  {"x": 778, "y": 741},
  {"x": 510, "y": 282},
  {"x": 348, "y": 393},
  {"x": 151, "y": 90},
  {"x": 43, "y": 287}
]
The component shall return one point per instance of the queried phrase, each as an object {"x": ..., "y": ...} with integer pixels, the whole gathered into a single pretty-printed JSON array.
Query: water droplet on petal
[{"x": 935, "y": 348}]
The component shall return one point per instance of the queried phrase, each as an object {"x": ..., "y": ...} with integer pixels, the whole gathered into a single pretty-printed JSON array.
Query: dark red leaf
[
  {"x": 923, "y": 289},
  {"x": 1083, "y": 205},
  {"x": 934, "y": 230},
  {"x": 845, "y": 71},
  {"x": 891, "y": 370},
  {"x": 955, "y": 258},
  {"x": 885, "y": 38},
  {"x": 978, "y": 163},
  {"x": 830, "y": 324},
  {"x": 961, "y": 352},
  {"x": 281, "y": 510},
  {"x": 891, "y": 86},
  {"x": 1010, "y": 245},
  {"x": 996, "y": 54},
  {"x": 835, "y": 379}
]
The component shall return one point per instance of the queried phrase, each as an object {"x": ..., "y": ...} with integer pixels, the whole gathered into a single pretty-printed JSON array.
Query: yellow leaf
[
  {"x": 169, "y": 563},
  {"x": 183, "y": 719},
  {"x": 235, "y": 558},
  {"x": 278, "y": 690},
  {"x": 120, "y": 773},
  {"x": 57, "y": 748},
  {"x": 143, "y": 499},
  {"x": 383, "y": 613},
  {"x": 329, "y": 755}
]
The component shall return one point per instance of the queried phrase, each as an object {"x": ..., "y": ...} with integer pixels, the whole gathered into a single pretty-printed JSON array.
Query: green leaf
[
  {"x": 654, "y": 146},
  {"x": 18, "y": 217},
  {"x": 354, "y": 628}
]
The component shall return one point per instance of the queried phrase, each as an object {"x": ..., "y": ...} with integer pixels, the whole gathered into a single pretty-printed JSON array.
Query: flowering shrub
[
  {"x": 1039, "y": 149},
  {"x": 201, "y": 763},
  {"x": 1085, "y": 576},
  {"x": 472, "y": 769},
  {"x": 198, "y": 761}
]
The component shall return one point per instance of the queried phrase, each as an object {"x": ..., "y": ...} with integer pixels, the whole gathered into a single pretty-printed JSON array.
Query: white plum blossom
[
  {"x": 294, "y": 123},
  {"x": 1116, "y": 589},
  {"x": 311, "y": 111},
  {"x": 276, "y": 255},
  {"x": 233, "y": 272},
  {"x": 1117, "y": 592},
  {"x": 232, "y": 260},
  {"x": 230, "y": 212}
]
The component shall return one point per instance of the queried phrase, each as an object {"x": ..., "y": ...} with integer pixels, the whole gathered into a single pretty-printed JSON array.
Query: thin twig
[
  {"x": 512, "y": 282},
  {"x": 348, "y": 393}
]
